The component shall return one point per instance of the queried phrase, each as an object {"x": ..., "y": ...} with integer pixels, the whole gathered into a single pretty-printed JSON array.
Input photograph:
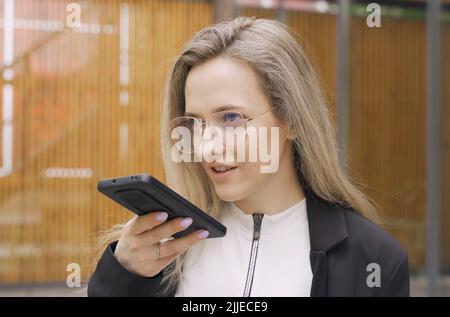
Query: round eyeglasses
[{"x": 226, "y": 121}]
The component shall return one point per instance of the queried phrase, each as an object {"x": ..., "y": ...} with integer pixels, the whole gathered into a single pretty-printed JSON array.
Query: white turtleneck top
[{"x": 280, "y": 261}]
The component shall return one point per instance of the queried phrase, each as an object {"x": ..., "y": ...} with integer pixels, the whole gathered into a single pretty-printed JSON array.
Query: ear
[{"x": 290, "y": 134}]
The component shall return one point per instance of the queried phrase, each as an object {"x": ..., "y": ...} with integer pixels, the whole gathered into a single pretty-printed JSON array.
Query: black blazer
[{"x": 347, "y": 251}]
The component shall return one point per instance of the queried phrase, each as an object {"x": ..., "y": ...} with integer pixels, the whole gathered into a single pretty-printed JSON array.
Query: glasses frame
[{"x": 200, "y": 122}]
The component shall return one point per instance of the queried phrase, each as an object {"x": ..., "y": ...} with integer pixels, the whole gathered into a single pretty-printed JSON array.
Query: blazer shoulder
[
  {"x": 369, "y": 248},
  {"x": 371, "y": 238}
]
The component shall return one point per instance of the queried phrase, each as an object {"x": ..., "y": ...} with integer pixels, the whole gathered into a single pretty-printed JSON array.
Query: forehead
[{"x": 222, "y": 81}]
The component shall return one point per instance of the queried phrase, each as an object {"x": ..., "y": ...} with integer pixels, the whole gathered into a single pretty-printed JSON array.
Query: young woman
[{"x": 300, "y": 230}]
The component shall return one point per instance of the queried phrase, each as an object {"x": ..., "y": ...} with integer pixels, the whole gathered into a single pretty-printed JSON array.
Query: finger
[
  {"x": 166, "y": 230},
  {"x": 181, "y": 244},
  {"x": 165, "y": 261},
  {"x": 147, "y": 222}
]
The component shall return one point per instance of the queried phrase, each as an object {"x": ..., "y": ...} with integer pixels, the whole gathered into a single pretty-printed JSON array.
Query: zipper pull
[{"x": 257, "y": 221}]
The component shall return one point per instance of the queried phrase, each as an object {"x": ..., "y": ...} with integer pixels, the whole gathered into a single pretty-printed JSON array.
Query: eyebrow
[{"x": 218, "y": 109}]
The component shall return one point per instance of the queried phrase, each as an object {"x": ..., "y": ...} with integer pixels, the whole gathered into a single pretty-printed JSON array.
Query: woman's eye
[{"x": 231, "y": 116}]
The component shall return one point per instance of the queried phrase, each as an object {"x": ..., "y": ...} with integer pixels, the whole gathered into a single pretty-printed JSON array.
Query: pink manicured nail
[
  {"x": 186, "y": 222},
  {"x": 203, "y": 234},
  {"x": 162, "y": 216}
]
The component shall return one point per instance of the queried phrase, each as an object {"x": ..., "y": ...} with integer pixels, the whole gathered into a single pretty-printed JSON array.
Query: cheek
[
  {"x": 246, "y": 181},
  {"x": 249, "y": 177},
  {"x": 249, "y": 170},
  {"x": 250, "y": 180}
]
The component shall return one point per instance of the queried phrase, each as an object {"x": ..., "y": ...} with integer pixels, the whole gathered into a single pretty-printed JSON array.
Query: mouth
[{"x": 222, "y": 171}]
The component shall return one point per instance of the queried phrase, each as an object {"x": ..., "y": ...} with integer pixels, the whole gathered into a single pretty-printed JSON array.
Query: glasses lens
[{"x": 228, "y": 119}]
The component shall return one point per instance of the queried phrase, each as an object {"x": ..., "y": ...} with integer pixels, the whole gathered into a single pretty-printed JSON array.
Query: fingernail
[
  {"x": 162, "y": 216},
  {"x": 203, "y": 234},
  {"x": 186, "y": 222}
]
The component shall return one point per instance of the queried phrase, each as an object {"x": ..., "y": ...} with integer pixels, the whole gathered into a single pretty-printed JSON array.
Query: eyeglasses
[{"x": 223, "y": 120}]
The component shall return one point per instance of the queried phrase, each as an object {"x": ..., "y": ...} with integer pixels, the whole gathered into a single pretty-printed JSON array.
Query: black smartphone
[{"x": 143, "y": 194}]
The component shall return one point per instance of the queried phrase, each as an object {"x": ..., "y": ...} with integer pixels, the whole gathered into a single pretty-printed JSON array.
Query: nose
[{"x": 213, "y": 146}]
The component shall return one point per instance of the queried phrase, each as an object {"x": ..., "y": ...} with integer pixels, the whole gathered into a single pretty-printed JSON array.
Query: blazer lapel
[
  {"x": 327, "y": 228},
  {"x": 319, "y": 267}
]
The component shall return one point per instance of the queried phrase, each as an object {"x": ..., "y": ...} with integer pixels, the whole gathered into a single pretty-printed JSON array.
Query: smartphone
[{"x": 143, "y": 194}]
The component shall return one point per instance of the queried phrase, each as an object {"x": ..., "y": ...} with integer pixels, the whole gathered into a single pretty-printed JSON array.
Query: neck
[{"x": 281, "y": 191}]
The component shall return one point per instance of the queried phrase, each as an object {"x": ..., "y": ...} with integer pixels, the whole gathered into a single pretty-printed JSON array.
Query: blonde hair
[{"x": 291, "y": 84}]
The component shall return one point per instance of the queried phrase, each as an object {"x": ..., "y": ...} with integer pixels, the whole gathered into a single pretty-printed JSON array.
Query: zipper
[{"x": 257, "y": 220}]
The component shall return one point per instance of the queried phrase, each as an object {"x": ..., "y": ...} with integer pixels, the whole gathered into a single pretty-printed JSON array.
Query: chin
[{"x": 228, "y": 192}]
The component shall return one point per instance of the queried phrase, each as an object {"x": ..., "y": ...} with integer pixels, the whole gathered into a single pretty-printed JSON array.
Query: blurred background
[{"x": 81, "y": 103}]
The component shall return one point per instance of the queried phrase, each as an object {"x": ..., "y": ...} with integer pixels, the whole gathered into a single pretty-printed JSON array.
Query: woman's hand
[{"x": 137, "y": 249}]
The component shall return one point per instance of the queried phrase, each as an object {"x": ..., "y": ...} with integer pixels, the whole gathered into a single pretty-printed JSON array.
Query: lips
[{"x": 222, "y": 169}]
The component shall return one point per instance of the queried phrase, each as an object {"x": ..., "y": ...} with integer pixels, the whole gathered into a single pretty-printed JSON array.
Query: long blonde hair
[{"x": 292, "y": 86}]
